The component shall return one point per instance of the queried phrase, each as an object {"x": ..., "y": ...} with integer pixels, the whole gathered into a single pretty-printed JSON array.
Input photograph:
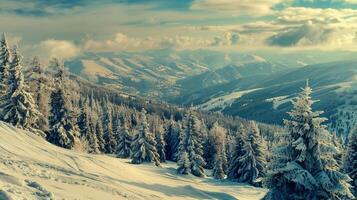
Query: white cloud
[
  {"x": 56, "y": 48},
  {"x": 239, "y": 7}
]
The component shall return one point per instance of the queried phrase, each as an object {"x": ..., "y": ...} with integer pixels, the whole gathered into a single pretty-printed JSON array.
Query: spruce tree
[
  {"x": 17, "y": 105},
  {"x": 184, "y": 164},
  {"x": 109, "y": 139},
  {"x": 5, "y": 59},
  {"x": 236, "y": 154},
  {"x": 143, "y": 146},
  {"x": 124, "y": 143},
  {"x": 62, "y": 121},
  {"x": 220, "y": 159},
  {"x": 39, "y": 86},
  {"x": 191, "y": 143},
  {"x": 172, "y": 133},
  {"x": 350, "y": 166},
  {"x": 63, "y": 131},
  {"x": 304, "y": 167},
  {"x": 99, "y": 133},
  {"x": 158, "y": 130},
  {"x": 252, "y": 162}
]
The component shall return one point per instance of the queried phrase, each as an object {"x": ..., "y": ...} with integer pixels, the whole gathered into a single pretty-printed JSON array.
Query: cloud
[
  {"x": 305, "y": 35},
  {"x": 56, "y": 48},
  {"x": 122, "y": 42},
  {"x": 239, "y": 7}
]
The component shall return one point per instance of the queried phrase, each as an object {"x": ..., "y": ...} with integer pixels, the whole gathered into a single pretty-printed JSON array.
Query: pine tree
[
  {"x": 191, "y": 143},
  {"x": 252, "y": 162},
  {"x": 304, "y": 167},
  {"x": 5, "y": 59},
  {"x": 63, "y": 131},
  {"x": 350, "y": 166},
  {"x": 172, "y": 133},
  {"x": 92, "y": 137},
  {"x": 158, "y": 131},
  {"x": 124, "y": 143},
  {"x": 39, "y": 87},
  {"x": 220, "y": 159},
  {"x": 184, "y": 164},
  {"x": 62, "y": 120},
  {"x": 237, "y": 153},
  {"x": 18, "y": 106},
  {"x": 110, "y": 142},
  {"x": 143, "y": 146},
  {"x": 99, "y": 133}
]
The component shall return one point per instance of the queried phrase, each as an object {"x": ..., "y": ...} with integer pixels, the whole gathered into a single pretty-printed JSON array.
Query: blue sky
[{"x": 66, "y": 28}]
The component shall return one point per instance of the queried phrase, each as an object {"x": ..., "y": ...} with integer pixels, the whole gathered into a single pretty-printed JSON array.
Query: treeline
[{"x": 304, "y": 161}]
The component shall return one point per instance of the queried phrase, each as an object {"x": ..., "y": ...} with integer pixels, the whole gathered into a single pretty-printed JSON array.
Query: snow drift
[{"x": 31, "y": 168}]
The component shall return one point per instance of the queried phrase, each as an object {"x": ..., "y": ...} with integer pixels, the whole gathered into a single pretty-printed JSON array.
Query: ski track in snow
[{"x": 31, "y": 168}]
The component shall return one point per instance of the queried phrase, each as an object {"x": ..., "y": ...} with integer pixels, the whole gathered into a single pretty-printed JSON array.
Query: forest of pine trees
[{"x": 304, "y": 161}]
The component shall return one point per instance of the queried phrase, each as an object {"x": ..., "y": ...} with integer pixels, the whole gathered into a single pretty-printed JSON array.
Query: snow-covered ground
[
  {"x": 31, "y": 168},
  {"x": 225, "y": 100}
]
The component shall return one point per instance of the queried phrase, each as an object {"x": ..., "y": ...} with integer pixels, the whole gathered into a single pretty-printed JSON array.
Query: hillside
[
  {"x": 267, "y": 98},
  {"x": 31, "y": 168}
]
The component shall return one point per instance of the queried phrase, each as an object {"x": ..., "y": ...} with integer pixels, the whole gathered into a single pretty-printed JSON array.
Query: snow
[
  {"x": 224, "y": 100},
  {"x": 31, "y": 168},
  {"x": 278, "y": 101}
]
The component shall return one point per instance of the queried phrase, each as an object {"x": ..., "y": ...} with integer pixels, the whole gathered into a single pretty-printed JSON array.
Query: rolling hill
[{"x": 31, "y": 168}]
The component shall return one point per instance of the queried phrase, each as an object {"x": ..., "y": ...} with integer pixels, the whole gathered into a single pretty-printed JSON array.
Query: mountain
[
  {"x": 31, "y": 168},
  {"x": 227, "y": 74},
  {"x": 155, "y": 73},
  {"x": 267, "y": 98}
]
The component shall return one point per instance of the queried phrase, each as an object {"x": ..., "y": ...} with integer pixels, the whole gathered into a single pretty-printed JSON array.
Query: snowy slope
[{"x": 31, "y": 168}]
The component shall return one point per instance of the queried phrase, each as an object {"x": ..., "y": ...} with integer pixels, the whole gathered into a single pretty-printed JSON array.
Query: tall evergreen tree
[
  {"x": 99, "y": 133},
  {"x": 62, "y": 121},
  {"x": 191, "y": 143},
  {"x": 39, "y": 87},
  {"x": 172, "y": 133},
  {"x": 304, "y": 167},
  {"x": 18, "y": 106},
  {"x": 252, "y": 163},
  {"x": 5, "y": 59},
  {"x": 124, "y": 143},
  {"x": 143, "y": 146},
  {"x": 220, "y": 158},
  {"x": 63, "y": 131},
  {"x": 351, "y": 158},
  {"x": 110, "y": 142},
  {"x": 236, "y": 154},
  {"x": 158, "y": 131}
]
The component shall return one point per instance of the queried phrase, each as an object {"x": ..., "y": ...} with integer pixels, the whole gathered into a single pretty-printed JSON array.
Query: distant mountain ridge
[{"x": 267, "y": 98}]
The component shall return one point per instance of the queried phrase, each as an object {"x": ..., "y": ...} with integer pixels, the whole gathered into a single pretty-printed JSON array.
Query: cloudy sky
[{"x": 66, "y": 28}]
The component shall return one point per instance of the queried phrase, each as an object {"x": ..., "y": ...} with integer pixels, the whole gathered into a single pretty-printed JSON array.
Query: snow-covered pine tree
[
  {"x": 110, "y": 142},
  {"x": 39, "y": 87},
  {"x": 99, "y": 133},
  {"x": 236, "y": 154},
  {"x": 172, "y": 133},
  {"x": 304, "y": 167},
  {"x": 158, "y": 131},
  {"x": 92, "y": 137},
  {"x": 17, "y": 105},
  {"x": 62, "y": 121},
  {"x": 63, "y": 131},
  {"x": 350, "y": 164},
  {"x": 191, "y": 143},
  {"x": 184, "y": 164},
  {"x": 5, "y": 59},
  {"x": 124, "y": 143},
  {"x": 143, "y": 146},
  {"x": 220, "y": 158},
  {"x": 252, "y": 163}
]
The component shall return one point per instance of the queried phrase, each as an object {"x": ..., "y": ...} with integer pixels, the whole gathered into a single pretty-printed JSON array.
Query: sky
[{"x": 67, "y": 28}]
